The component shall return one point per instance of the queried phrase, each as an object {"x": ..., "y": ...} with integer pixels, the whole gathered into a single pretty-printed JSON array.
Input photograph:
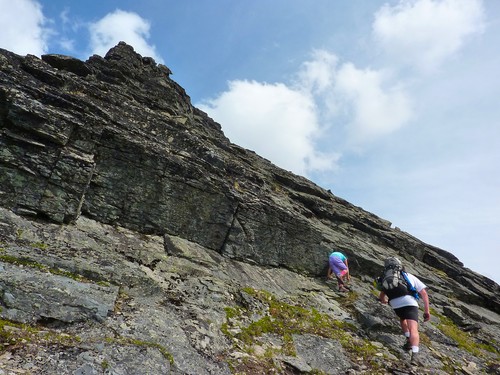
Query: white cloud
[
  {"x": 376, "y": 108},
  {"x": 275, "y": 121},
  {"x": 424, "y": 33},
  {"x": 364, "y": 100},
  {"x": 317, "y": 75},
  {"x": 122, "y": 26},
  {"x": 23, "y": 30}
]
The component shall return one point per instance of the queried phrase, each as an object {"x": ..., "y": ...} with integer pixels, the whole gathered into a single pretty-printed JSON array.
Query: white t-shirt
[{"x": 408, "y": 300}]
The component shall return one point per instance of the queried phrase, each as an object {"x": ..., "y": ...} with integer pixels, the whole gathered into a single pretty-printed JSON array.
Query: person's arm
[
  {"x": 329, "y": 273},
  {"x": 348, "y": 272},
  {"x": 425, "y": 298},
  {"x": 381, "y": 297}
]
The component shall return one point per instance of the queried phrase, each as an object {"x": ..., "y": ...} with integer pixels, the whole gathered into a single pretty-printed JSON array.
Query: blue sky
[{"x": 393, "y": 105}]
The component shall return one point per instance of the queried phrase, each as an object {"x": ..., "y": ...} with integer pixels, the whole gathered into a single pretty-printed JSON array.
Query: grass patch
[
  {"x": 285, "y": 320},
  {"x": 464, "y": 340},
  {"x": 146, "y": 344},
  {"x": 14, "y": 335},
  {"x": 40, "y": 245},
  {"x": 105, "y": 365}
]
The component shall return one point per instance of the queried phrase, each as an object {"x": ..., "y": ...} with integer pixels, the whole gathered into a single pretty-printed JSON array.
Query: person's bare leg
[
  {"x": 406, "y": 332},
  {"x": 404, "y": 325},
  {"x": 414, "y": 342},
  {"x": 414, "y": 336}
]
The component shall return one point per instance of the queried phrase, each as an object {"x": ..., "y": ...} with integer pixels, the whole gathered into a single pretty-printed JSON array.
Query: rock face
[{"x": 135, "y": 238}]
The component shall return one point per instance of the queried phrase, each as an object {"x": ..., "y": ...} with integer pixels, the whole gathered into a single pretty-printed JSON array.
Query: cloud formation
[
  {"x": 378, "y": 107},
  {"x": 24, "y": 29},
  {"x": 317, "y": 75},
  {"x": 276, "y": 121},
  {"x": 424, "y": 33},
  {"x": 122, "y": 26},
  {"x": 359, "y": 105},
  {"x": 285, "y": 122}
]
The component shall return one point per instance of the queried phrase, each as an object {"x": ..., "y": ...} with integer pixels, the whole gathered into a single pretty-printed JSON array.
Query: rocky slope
[{"x": 136, "y": 239}]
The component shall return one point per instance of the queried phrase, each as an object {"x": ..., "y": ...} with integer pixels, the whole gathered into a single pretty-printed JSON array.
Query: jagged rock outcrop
[{"x": 143, "y": 241}]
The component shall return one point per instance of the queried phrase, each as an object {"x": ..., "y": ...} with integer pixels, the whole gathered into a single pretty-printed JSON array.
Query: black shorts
[{"x": 407, "y": 312}]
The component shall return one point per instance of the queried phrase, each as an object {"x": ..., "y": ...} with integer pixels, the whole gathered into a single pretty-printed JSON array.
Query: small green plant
[
  {"x": 441, "y": 274},
  {"x": 40, "y": 245},
  {"x": 105, "y": 365},
  {"x": 237, "y": 187},
  {"x": 349, "y": 299},
  {"x": 232, "y": 312},
  {"x": 277, "y": 188}
]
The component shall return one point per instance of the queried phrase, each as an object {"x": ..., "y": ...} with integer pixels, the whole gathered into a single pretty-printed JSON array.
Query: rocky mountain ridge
[{"x": 136, "y": 238}]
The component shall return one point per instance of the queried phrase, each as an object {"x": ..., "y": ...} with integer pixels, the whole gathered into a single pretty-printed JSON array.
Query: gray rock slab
[
  {"x": 29, "y": 295},
  {"x": 322, "y": 354}
]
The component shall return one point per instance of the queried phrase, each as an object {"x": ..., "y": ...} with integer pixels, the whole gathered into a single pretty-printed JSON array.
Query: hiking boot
[
  {"x": 415, "y": 359},
  {"x": 407, "y": 345}
]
